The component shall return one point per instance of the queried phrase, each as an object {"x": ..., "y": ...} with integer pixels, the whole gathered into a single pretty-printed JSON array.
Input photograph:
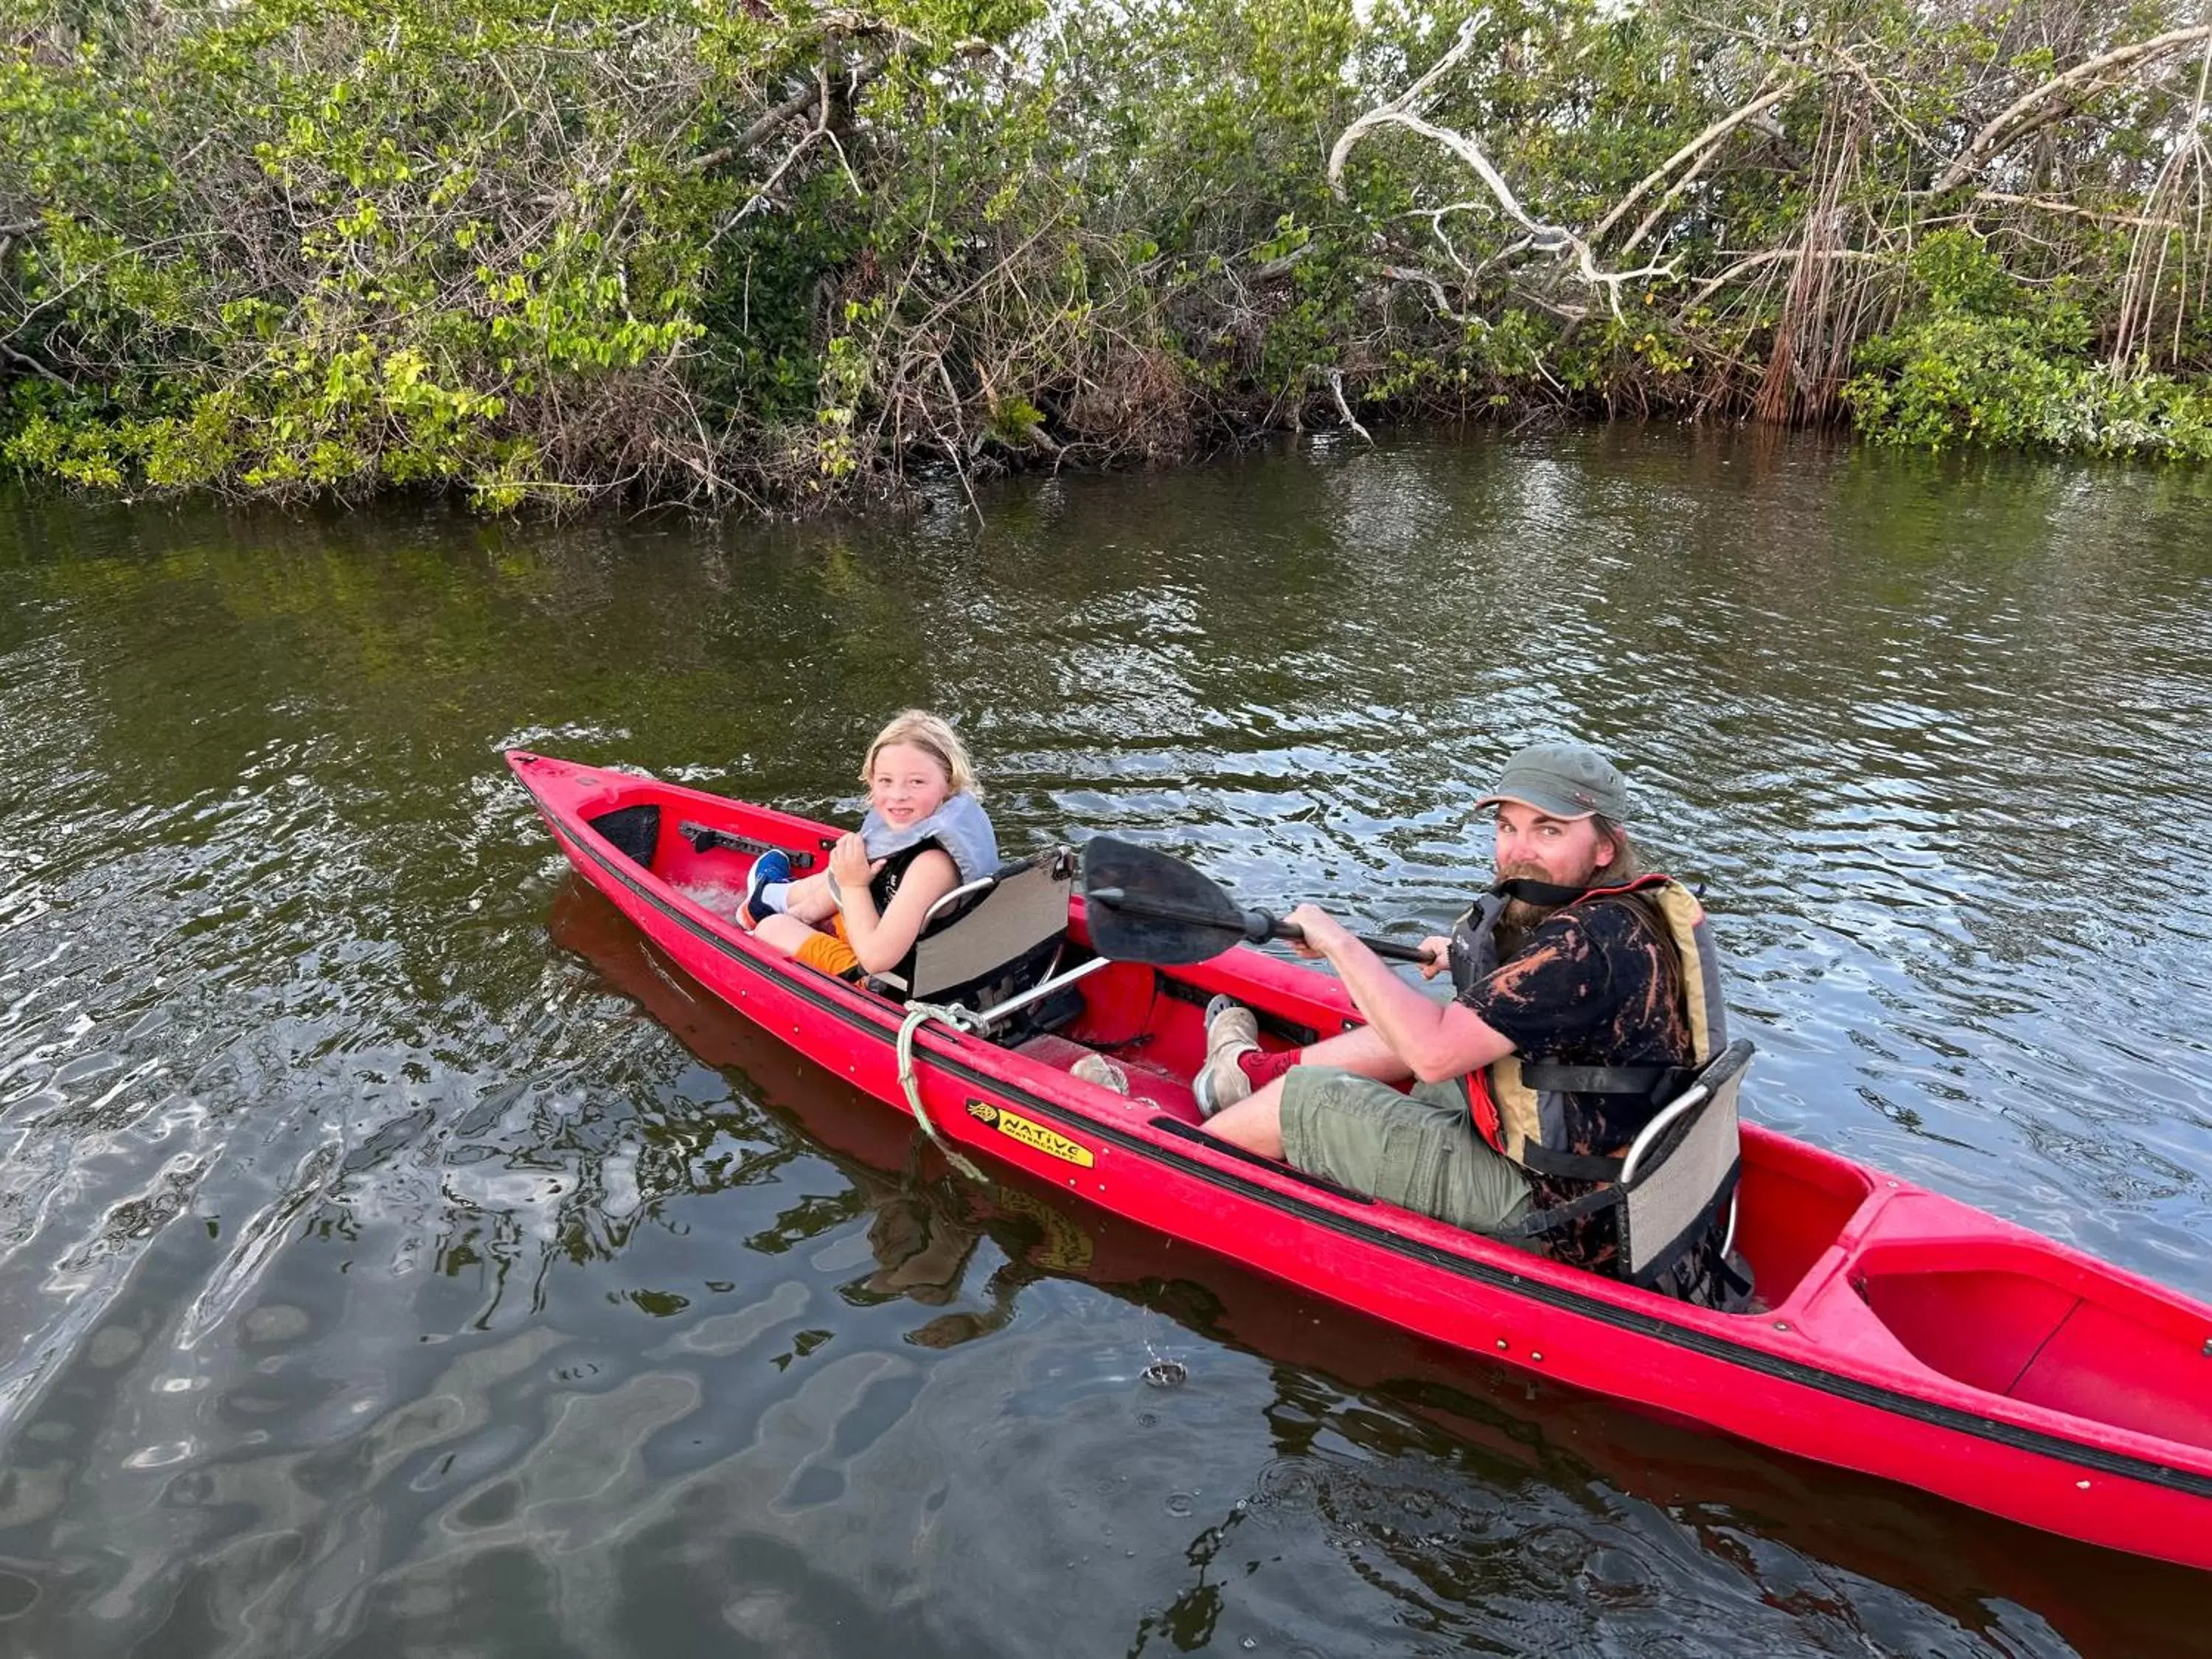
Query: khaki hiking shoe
[
  {"x": 1096, "y": 1068},
  {"x": 1231, "y": 1030}
]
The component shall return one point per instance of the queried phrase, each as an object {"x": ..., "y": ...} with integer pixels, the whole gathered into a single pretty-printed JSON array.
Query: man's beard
[{"x": 1520, "y": 916}]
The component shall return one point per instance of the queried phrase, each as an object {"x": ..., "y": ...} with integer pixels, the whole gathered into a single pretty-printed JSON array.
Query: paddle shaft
[{"x": 1258, "y": 924}]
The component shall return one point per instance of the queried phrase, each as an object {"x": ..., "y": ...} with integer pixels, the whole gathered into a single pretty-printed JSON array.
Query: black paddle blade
[{"x": 1147, "y": 906}]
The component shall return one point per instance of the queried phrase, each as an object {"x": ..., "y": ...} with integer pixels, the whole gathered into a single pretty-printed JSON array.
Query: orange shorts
[{"x": 831, "y": 952}]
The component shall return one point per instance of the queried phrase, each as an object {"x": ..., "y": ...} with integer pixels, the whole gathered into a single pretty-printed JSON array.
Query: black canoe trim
[{"x": 1788, "y": 1371}]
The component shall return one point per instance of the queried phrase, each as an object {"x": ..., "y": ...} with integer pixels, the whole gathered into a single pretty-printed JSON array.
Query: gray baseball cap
[{"x": 1563, "y": 780}]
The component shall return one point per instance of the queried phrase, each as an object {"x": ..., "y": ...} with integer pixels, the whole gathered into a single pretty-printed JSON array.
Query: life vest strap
[
  {"x": 1540, "y": 1159},
  {"x": 1658, "y": 1082},
  {"x": 1543, "y": 1222}
]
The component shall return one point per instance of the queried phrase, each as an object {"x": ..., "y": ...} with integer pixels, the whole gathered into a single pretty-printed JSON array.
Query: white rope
[{"x": 919, "y": 1014}]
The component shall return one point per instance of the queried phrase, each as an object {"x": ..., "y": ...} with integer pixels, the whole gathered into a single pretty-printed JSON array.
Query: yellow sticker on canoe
[{"x": 1048, "y": 1141}]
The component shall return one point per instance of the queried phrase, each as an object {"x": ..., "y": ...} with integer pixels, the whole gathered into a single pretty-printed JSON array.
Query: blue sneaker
[{"x": 769, "y": 869}]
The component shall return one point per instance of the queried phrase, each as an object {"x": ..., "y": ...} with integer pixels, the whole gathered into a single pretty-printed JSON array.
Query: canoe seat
[
  {"x": 1681, "y": 1171},
  {"x": 992, "y": 938}
]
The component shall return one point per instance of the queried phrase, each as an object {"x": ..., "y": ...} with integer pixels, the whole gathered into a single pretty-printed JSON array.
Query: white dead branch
[
  {"x": 1543, "y": 238},
  {"x": 2031, "y": 109},
  {"x": 1698, "y": 147}
]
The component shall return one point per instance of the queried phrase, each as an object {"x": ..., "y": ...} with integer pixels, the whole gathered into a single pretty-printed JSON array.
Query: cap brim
[{"x": 1552, "y": 806}]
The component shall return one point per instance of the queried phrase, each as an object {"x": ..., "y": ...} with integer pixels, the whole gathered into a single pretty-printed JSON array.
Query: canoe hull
[{"x": 1819, "y": 1373}]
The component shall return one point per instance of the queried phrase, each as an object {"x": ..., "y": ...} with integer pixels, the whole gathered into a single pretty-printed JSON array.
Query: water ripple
[{"x": 376, "y": 1275}]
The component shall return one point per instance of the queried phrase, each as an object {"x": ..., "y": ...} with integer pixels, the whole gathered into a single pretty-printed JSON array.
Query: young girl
[{"x": 925, "y": 834}]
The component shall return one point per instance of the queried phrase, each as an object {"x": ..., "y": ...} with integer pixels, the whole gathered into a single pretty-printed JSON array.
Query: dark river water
[{"x": 398, "y": 1258}]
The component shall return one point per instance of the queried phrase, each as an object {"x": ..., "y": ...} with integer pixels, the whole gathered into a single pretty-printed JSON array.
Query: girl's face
[{"x": 906, "y": 784}]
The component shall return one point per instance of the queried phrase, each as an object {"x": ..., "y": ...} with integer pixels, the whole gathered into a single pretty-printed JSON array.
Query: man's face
[{"x": 1535, "y": 846}]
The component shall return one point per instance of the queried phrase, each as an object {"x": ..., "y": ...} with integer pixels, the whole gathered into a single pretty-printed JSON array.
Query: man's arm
[{"x": 1436, "y": 1043}]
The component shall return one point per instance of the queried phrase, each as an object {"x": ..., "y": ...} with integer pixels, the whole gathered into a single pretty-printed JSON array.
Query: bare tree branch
[
  {"x": 1776, "y": 256},
  {"x": 1543, "y": 237},
  {"x": 2015, "y": 116},
  {"x": 35, "y": 367},
  {"x": 1712, "y": 135},
  {"x": 1407, "y": 273},
  {"x": 815, "y": 91},
  {"x": 1335, "y": 379},
  {"x": 2071, "y": 210},
  {"x": 2147, "y": 257}
]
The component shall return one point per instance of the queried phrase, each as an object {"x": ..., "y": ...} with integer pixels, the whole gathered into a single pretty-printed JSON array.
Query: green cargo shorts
[{"x": 1419, "y": 1150}]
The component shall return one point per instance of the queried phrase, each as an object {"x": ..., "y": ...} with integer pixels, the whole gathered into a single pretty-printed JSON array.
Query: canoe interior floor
[{"x": 1147, "y": 1083}]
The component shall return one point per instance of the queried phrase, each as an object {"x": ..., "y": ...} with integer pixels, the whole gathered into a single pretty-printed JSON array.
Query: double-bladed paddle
[{"x": 1145, "y": 905}]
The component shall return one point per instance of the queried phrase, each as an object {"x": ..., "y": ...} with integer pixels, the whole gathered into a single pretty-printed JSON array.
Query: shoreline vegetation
[{"x": 785, "y": 256}]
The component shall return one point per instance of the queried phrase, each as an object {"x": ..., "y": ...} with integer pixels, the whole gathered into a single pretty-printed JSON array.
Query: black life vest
[
  {"x": 884, "y": 885},
  {"x": 1519, "y": 1105}
]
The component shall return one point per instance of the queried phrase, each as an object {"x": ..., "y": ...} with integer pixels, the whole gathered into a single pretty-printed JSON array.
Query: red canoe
[{"x": 1900, "y": 1332}]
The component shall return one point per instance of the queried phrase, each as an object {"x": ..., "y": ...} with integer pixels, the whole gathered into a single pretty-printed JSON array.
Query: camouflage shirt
[{"x": 1595, "y": 984}]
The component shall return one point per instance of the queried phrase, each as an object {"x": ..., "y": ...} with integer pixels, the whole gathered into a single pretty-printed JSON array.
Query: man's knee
[
  {"x": 1360, "y": 1051},
  {"x": 1255, "y": 1123}
]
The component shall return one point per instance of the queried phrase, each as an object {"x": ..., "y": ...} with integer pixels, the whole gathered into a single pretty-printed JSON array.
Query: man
[{"x": 1575, "y": 959}]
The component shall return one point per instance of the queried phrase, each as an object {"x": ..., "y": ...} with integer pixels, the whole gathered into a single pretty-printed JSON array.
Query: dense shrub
[
  {"x": 1985, "y": 361},
  {"x": 782, "y": 253}
]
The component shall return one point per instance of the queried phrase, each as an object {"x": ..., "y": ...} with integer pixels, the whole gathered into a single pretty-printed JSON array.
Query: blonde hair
[{"x": 932, "y": 735}]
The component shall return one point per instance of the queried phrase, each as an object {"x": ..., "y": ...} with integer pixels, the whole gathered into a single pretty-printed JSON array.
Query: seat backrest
[
  {"x": 1001, "y": 941},
  {"x": 1681, "y": 1171}
]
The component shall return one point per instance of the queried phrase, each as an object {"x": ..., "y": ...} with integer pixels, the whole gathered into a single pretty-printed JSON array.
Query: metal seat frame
[{"x": 1681, "y": 1107}]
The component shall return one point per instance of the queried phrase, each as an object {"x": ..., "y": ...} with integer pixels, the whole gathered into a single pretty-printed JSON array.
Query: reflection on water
[{"x": 380, "y": 1274}]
